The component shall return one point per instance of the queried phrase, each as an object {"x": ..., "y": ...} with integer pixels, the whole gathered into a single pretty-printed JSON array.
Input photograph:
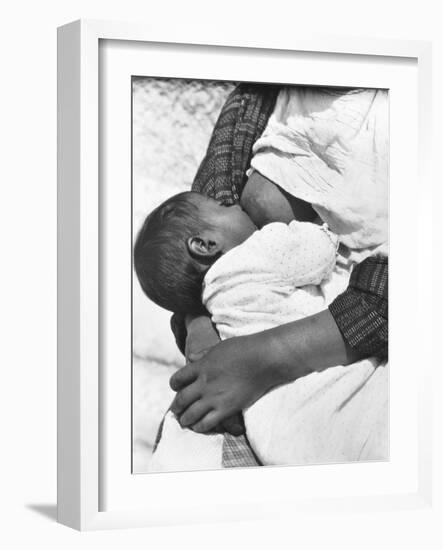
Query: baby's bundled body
[{"x": 273, "y": 278}]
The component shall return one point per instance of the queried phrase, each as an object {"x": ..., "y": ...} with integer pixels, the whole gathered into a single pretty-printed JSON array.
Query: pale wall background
[{"x": 172, "y": 123}]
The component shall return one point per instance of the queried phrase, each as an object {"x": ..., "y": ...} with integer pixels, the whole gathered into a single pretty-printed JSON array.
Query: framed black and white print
[
  {"x": 289, "y": 185},
  {"x": 223, "y": 320}
]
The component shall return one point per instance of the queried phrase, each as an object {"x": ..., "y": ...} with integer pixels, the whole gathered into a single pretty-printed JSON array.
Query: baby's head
[{"x": 179, "y": 241}]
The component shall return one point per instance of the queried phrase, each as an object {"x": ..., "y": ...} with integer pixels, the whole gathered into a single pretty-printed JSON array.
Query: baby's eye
[{"x": 226, "y": 203}]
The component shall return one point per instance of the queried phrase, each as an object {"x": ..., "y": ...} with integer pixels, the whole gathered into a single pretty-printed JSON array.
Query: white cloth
[
  {"x": 330, "y": 148},
  {"x": 281, "y": 274},
  {"x": 181, "y": 449}
]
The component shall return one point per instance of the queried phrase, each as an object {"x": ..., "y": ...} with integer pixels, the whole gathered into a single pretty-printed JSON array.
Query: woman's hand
[{"x": 228, "y": 378}]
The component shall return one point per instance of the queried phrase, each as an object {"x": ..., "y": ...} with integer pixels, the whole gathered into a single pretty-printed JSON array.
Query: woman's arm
[{"x": 238, "y": 371}]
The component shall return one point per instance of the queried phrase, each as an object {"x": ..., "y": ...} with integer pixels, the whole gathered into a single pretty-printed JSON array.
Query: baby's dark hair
[{"x": 168, "y": 274}]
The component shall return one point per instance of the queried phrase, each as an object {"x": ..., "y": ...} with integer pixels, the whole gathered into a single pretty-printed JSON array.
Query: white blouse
[{"x": 331, "y": 149}]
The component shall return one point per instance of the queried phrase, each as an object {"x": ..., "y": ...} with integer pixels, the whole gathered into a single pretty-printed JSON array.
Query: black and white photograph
[{"x": 260, "y": 241}]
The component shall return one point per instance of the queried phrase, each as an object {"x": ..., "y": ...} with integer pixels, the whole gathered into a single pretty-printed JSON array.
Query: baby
[{"x": 183, "y": 240}]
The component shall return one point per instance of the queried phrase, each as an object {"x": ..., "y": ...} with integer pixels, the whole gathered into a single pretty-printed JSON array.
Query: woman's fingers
[
  {"x": 184, "y": 399},
  {"x": 208, "y": 423},
  {"x": 194, "y": 413},
  {"x": 183, "y": 377}
]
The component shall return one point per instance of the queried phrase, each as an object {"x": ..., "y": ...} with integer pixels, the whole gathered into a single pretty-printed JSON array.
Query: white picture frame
[{"x": 81, "y": 444}]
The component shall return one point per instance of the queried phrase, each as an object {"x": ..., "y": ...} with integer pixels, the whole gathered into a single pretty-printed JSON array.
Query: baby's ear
[{"x": 203, "y": 249}]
